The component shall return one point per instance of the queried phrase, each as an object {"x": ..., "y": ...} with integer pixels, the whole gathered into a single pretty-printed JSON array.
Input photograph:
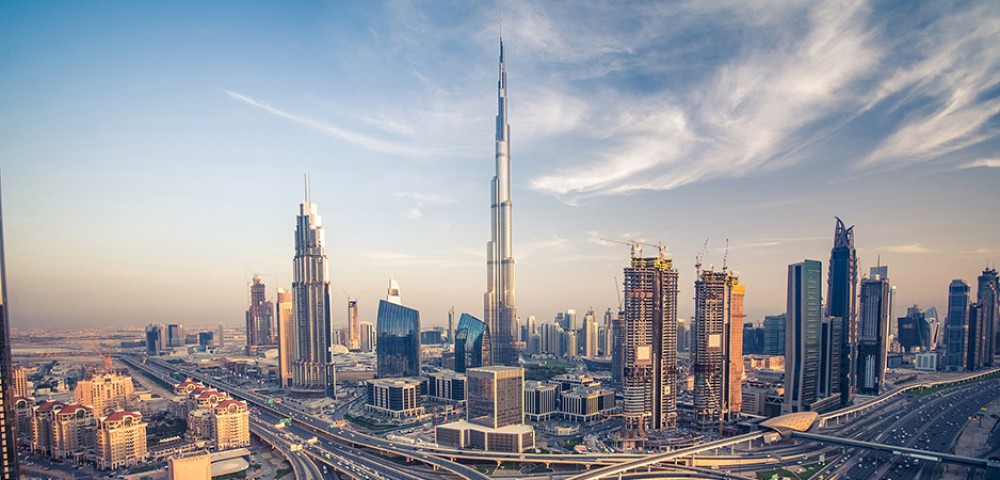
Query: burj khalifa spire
[{"x": 499, "y": 305}]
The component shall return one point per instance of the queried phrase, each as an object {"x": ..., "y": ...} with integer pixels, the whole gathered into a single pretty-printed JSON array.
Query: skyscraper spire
[{"x": 499, "y": 304}]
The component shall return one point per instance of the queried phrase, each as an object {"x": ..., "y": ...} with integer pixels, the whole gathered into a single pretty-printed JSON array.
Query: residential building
[
  {"x": 121, "y": 440},
  {"x": 175, "y": 335},
  {"x": 230, "y": 425},
  {"x": 104, "y": 392},
  {"x": 74, "y": 431},
  {"x": 24, "y": 420},
  {"x": 42, "y": 431},
  {"x": 19, "y": 381}
]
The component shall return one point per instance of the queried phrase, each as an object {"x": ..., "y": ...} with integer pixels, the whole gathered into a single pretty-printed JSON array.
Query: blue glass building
[
  {"x": 473, "y": 347},
  {"x": 397, "y": 350}
]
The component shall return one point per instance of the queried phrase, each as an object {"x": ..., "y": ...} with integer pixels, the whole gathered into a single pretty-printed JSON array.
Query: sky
[{"x": 153, "y": 153}]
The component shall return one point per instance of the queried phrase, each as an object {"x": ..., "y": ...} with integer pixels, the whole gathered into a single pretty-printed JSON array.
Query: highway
[{"x": 302, "y": 466}]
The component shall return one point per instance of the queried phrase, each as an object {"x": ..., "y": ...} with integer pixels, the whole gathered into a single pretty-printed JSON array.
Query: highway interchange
[{"x": 932, "y": 422}]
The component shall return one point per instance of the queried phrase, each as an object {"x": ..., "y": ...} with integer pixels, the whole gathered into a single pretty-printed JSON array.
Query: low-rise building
[
  {"x": 927, "y": 361},
  {"x": 446, "y": 385},
  {"x": 463, "y": 434},
  {"x": 567, "y": 381},
  {"x": 192, "y": 466},
  {"x": 394, "y": 397},
  {"x": 586, "y": 404},
  {"x": 540, "y": 400}
]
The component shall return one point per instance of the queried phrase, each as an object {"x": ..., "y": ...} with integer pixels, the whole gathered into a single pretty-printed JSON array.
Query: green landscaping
[
  {"x": 807, "y": 472},
  {"x": 569, "y": 443}
]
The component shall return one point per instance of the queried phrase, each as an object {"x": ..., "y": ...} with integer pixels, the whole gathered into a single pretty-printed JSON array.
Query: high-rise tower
[
  {"x": 842, "y": 284},
  {"x": 260, "y": 318},
  {"x": 957, "y": 329},
  {"x": 286, "y": 336},
  {"x": 353, "y": 326},
  {"x": 718, "y": 357},
  {"x": 500, "y": 310},
  {"x": 988, "y": 295},
  {"x": 8, "y": 442},
  {"x": 311, "y": 299},
  {"x": 873, "y": 332},
  {"x": 803, "y": 331}
]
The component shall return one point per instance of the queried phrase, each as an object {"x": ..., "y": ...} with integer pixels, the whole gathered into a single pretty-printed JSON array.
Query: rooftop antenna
[
  {"x": 697, "y": 259},
  {"x": 725, "y": 255}
]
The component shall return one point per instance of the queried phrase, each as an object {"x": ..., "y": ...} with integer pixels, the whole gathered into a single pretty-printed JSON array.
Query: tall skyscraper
[
  {"x": 260, "y": 316},
  {"x": 311, "y": 300},
  {"x": 718, "y": 348},
  {"x": 451, "y": 325},
  {"x": 221, "y": 337},
  {"x": 650, "y": 343},
  {"x": 975, "y": 357},
  {"x": 367, "y": 337},
  {"x": 473, "y": 346},
  {"x": 175, "y": 335},
  {"x": 590, "y": 335},
  {"x": 914, "y": 331},
  {"x": 957, "y": 325},
  {"x": 803, "y": 330},
  {"x": 842, "y": 297},
  {"x": 873, "y": 332},
  {"x": 154, "y": 339},
  {"x": 397, "y": 349},
  {"x": 495, "y": 396},
  {"x": 988, "y": 296},
  {"x": 286, "y": 336},
  {"x": 500, "y": 307},
  {"x": 8, "y": 439},
  {"x": 353, "y": 326}
]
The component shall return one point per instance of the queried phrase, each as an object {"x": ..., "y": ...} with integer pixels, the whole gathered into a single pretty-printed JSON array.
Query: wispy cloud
[
  {"x": 910, "y": 248},
  {"x": 359, "y": 139},
  {"x": 982, "y": 162},
  {"x": 423, "y": 199}
]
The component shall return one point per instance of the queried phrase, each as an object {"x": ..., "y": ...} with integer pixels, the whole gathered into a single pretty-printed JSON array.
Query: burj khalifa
[{"x": 500, "y": 308}]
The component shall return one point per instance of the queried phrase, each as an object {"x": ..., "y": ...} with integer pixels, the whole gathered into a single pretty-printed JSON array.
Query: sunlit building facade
[
  {"x": 259, "y": 318},
  {"x": 398, "y": 341},
  {"x": 803, "y": 330},
  {"x": 105, "y": 392},
  {"x": 311, "y": 300},
  {"x": 285, "y": 315},
  {"x": 473, "y": 345},
  {"x": 121, "y": 440}
]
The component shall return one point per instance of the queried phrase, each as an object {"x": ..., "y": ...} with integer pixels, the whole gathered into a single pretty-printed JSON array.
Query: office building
[
  {"x": 431, "y": 337},
  {"x": 205, "y": 339},
  {"x": 957, "y": 326},
  {"x": 311, "y": 301},
  {"x": 353, "y": 326},
  {"x": 586, "y": 404},
  {"x": 398, "y": 341},
  {"x": 220, "y": 337},
  {"x": 500, "y": 308},
  {"x": 495, "y": 396},
  {"x": 540, "y": 400},
  {"x": 121, "y": 440},
  {"x": 74, "y": 430},
  {"x": 175, "y": 335},
  {"x": 873, "y": 333},
  {"x": 649, "y": 346},
  {"x": 774, "y": 334},
  {"x": 8, "y": 440},
  {"x": 451, "y": 325},
  {"x": 394, "y": 397},
  {"x": 829, "y": 365},
  {"x": 618, "y": 349},
  {"x": 718, "y": 358},
  {"x": 154, "y": 339},
  {"x": 367, "y": 336},
  {"x": 914, "y": 331},
  {"x": 988, "y": 297},
  {"x": 926, "y": 361},
  {"x": 230, "y": 425},
  {"x": 259, "y": 318},
  {"x": 753, "y": 339},
  {"x": 446, "y": 385},
  {"x": 473, "y": 344},
  {"x": 285, "y": 318},
  {"x": 842, "y": 284},
  {"x": 105, "y": 393},
  {"x": 977, "y": 341},
  {"x": 803, "y": 332}
]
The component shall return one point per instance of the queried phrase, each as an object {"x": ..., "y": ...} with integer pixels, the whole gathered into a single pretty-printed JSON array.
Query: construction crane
[
  {"x": 661, "y": 249},
  {"x": 697, "y": 259},
  {"x": 618, "y": 291},
  {"x": 636, "y": 247}
]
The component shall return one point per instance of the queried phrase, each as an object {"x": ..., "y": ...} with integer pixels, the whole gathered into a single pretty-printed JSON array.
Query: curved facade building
[
  {"x": 472, "y": 344},
  {"x": 398, "y": 341}
]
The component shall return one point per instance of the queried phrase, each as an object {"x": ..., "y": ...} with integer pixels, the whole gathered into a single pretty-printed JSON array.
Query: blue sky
[{"x": 153, "y": 154}]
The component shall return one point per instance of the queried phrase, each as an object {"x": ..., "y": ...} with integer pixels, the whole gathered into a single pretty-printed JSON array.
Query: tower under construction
[{"x": 718, "y": 352}]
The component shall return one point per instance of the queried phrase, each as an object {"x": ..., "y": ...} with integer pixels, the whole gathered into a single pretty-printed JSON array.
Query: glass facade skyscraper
[
  {"x": 873, "y": 334},
  {"x": 842, "y": 303},
  {"x": 397, "y": 346},
  {"x": 803, "y": 330},
  {"x": 8, "y": 440},
  {"x": 957, "y": 326},
  {"x": 311, "y": 300},
  {"x": 988, "y": 297},
  {"x": 472, "y": 344}
]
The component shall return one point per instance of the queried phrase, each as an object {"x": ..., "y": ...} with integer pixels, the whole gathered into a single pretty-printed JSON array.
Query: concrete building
[
  {"x": 230, "y": 425},
  {"x": 8, "y": 437},
  {"x": 104, "y": 392},
  {"x": 175, "y": 335},
  {"x": 842, "y": 294},
  {"x": 154, "y": 339},
  {"x": 24, "y": 420},
  {"x": 649, "y": 347},
  {"x": 873, "y": 333},
  {"x": 927, "y": 361},
  {"x": 43, "y": 418},
  {"x": 988, "y": 297},
  {"x": 718, "y": 357},
  {"x": 285, "y": 320},
  {"x": 311, "y": 299},
  {"x": 367, "y": 336},
  {"x": 74, "y": 430},
  {"x": 394, "y": 397},
  {"x": 803, "y": 332},
  {"x": 191, "y": 466},
  {"x": 19, "y": 382},
  {"x": 540, "y": 400},
  {"x": 914, "y": 331},
  {"x": 121, "y": 440},
  {"x": 586, "y": 404},
  {"x": 495, "y": 413},
  {"x": 260, "y": 319},
  {"x": 590, "y": 330}
]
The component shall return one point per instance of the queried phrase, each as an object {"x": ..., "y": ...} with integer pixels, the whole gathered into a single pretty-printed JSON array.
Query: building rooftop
[{"x": 462, "y": 424}]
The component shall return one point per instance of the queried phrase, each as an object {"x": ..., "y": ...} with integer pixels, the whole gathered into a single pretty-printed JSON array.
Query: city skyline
[{"x": 113, "y": 210}]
